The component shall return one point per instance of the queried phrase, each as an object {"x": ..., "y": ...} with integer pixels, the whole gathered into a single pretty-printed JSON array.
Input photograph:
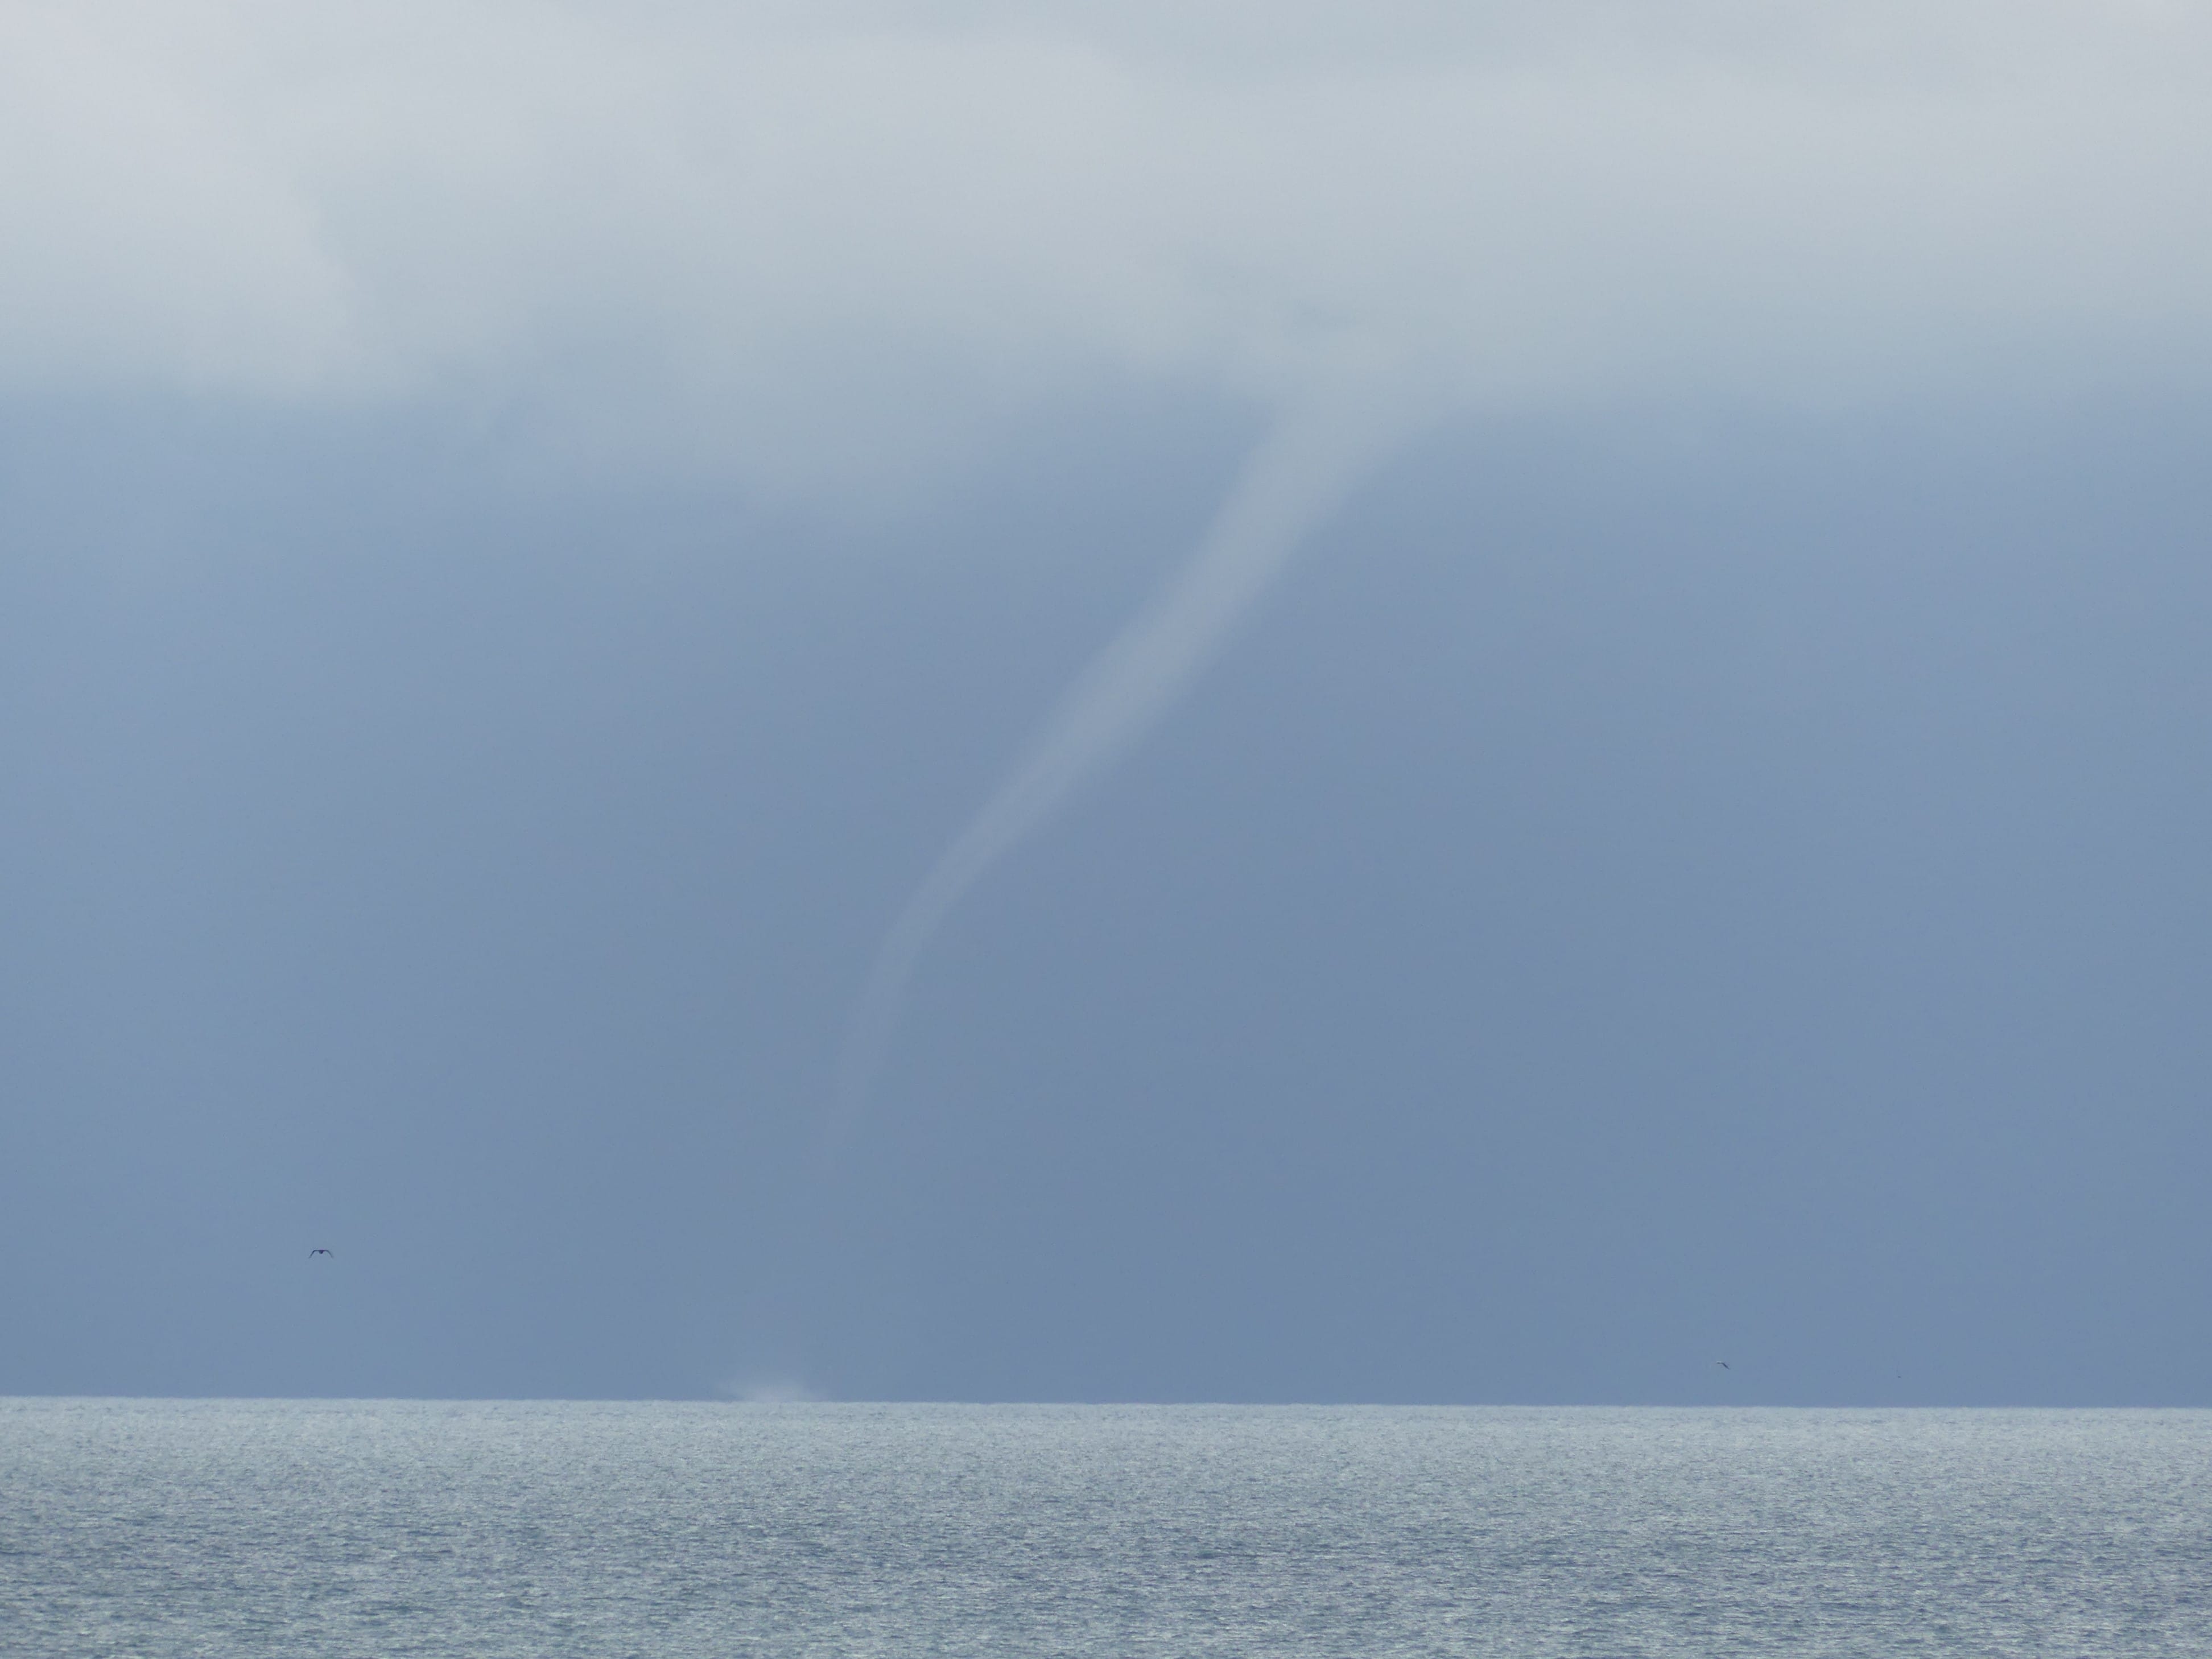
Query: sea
[{"x": 232, "y": 1528}]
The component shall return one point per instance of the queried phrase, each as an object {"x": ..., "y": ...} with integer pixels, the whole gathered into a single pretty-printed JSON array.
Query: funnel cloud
[{"x": 1301, "y": 471}]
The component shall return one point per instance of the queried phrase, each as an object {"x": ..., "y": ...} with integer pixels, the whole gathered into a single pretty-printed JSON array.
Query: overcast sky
[{"x": 1202, "y": 702}]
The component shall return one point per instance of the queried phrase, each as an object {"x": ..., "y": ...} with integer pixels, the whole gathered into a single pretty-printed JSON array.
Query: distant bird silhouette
[
  {"x": 1723, "y": 1364},
  {"x": 319, "y": 1250}
]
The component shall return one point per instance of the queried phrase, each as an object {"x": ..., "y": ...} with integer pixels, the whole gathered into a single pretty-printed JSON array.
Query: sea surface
[{"x": 233, "y": 1528}]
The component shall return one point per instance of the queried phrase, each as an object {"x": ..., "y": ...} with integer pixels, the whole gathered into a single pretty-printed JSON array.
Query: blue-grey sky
[{"x": 528, "y": 534}]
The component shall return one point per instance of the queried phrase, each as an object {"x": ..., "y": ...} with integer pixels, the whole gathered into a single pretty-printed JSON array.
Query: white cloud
[{"x": 801, "y": 241}]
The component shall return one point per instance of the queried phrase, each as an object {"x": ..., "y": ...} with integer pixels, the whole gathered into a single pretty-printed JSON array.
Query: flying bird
[
  {"x": 1723, "y": 1363},
  {"x": 319, "y": 1250}
]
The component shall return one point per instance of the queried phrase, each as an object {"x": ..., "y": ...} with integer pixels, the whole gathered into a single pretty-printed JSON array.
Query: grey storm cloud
[
  {"x": 831, "y": 249},
  {"x": 811, "y": 244},
  {"x": 1710, "y": 863}
]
